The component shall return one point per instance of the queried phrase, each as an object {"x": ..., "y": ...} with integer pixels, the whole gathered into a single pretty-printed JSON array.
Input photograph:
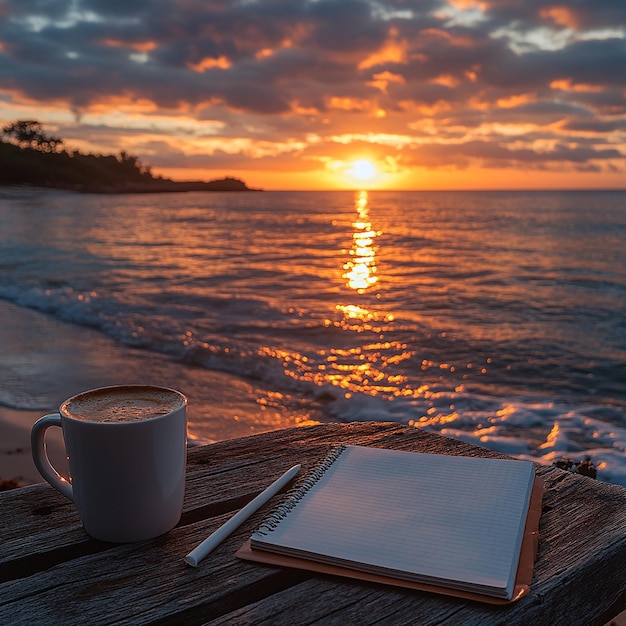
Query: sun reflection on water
[
  {"x": 366, "y": 356},
  {"x": 361, "y": 268}
]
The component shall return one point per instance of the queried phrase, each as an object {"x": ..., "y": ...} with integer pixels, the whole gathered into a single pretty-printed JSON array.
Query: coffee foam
[{"x": 122, "y": 404}]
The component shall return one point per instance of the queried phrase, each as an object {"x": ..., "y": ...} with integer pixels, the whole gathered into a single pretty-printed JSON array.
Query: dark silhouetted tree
[{"x": 29, "y": 133}]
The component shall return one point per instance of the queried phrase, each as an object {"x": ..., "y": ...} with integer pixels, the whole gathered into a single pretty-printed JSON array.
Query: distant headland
[{"x": 31, "y": 157}]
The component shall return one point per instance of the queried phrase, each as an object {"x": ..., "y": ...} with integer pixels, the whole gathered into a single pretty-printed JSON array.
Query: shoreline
[
  {"x": 222, "y": 185},
  {"x": 45, "y": 360}
]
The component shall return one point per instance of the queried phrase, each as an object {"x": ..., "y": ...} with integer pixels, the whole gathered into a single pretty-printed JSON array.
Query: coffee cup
[{"x": 127, "y": 450}]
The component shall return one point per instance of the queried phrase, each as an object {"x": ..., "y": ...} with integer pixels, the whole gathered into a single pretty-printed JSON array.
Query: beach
[
  {"x": 45, "y": 360},
  {"x": 495, "y": 318},
  {"x": 15, "y": 457}
]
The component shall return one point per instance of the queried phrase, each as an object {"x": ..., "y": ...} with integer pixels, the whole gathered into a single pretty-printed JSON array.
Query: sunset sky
[{"x": 330, "y": 94}]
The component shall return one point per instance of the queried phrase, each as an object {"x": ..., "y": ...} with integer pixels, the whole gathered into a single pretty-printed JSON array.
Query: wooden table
[{"x": 51, "y": 572}]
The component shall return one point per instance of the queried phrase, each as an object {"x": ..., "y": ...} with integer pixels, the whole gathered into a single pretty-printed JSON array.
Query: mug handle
[{"x": 40, "y": 454}]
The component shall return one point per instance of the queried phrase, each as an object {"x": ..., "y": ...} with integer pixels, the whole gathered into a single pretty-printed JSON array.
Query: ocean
[{"x": 498, "y": 318}]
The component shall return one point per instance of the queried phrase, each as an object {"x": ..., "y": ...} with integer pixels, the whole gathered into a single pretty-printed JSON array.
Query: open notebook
[{"x": 450, "y": 521}]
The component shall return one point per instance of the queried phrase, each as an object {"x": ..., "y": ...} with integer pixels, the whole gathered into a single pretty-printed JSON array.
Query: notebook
[{"x": 453, "y": 522}]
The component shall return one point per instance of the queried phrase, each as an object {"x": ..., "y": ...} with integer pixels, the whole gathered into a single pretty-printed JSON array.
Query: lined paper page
[{"x": 435, "y": 517}]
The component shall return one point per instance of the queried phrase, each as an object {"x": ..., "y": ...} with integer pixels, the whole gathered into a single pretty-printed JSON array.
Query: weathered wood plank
[
  {"x": 220, "y": 478},
  {"x": 564, "y": 550},
  {"x": 580, "y": 569}
]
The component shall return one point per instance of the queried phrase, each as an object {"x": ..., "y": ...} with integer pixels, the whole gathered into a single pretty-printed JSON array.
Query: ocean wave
[
  {"x": 530, "y": 428},
  {"x": 472, "y": 323},
  {"x": 22, "y": 400}
]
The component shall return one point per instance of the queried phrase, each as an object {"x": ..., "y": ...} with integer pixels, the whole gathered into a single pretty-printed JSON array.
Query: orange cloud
[
  {"x": 391, "y": 52},
  {"x": 444, "y": 88},
  {"x": 381, "y": 139},
  {"x": 138, "y": 46},
  {"x": 298, "y": 109},
  {"x": 561, "y": 16},
  {"x": 382, "y": 79},
  {"x": 122, "y": 104},
  {"x": 566, "y": 84},
  {"x": 445, "y": 80},
  {"x": 514, "y": 101},
  {"x": 349, "y": 104},
  {"x": 264, "y": 53},
  {"x": 478, "y": 103},
  {"x": 209, "y": 63},
  {"x": 469, "y": 4},
  {"x": 450, "y": 38},
  {"x": 426, "y": 110}
]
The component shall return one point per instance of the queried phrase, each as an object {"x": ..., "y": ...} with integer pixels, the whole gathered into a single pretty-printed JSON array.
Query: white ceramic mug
[{"x": 127, "y": 451}]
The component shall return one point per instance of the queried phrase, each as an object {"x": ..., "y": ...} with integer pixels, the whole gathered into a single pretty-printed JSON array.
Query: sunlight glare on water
[
  {"x": 361, "y": 268},
  {"x": 490, "y": 317},
  {"x": 364, "y": 360}
]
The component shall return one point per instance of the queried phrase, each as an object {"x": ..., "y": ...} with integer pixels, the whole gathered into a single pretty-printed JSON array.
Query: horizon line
[{"x": 437, "y": 190}]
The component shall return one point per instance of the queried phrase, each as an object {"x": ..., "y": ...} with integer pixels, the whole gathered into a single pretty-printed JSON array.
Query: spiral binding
[{"x": 292, "y": 499}]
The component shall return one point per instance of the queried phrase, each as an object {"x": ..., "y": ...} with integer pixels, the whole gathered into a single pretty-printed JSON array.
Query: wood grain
[{"x": 51, "y": 572}]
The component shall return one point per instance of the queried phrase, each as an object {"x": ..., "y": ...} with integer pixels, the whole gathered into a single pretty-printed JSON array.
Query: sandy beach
[
  {"x": 15, "y": 454},
  {"x": 44, "y": 360},
  {"x": 29, "y": 343}
]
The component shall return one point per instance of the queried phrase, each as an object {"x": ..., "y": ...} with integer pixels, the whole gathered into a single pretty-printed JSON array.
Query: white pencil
[{"x": 215, "y": 538}]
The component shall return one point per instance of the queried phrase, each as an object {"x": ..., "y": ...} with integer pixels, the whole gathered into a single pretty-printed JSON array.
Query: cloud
[{"x": 452, "y": 80}]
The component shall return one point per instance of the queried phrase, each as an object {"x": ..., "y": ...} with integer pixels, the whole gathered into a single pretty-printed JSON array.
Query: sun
[{"x": 363, "y": 169}]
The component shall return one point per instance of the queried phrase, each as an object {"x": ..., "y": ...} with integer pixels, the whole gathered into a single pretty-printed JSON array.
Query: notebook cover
[{"x": 523, "y": 578}]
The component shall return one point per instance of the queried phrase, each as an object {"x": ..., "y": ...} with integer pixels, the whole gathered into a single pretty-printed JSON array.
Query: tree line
[
  {"x": 30, "y": 156},
  {"x": 30, "y": 134}
]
